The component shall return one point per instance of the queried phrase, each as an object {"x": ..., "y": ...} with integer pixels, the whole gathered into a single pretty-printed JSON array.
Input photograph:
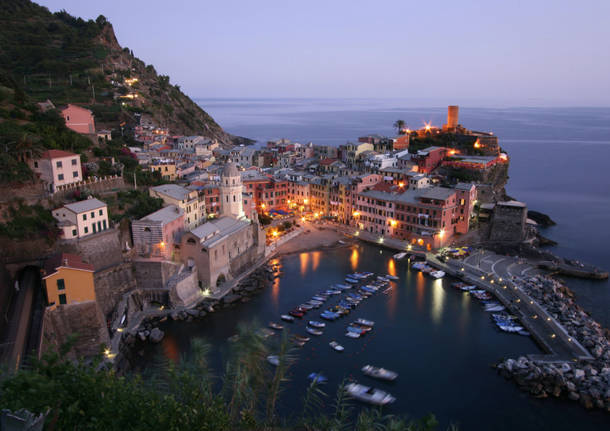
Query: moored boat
[
  {"x": 287, "y": 318},
  {"x": 276, "y": 326},
  {"x": 313, "y": 331},
  {"x": 437, "y": 274},
  {"x": 316, "y": 324},
  {"x": 379, "y": 373},
  {"x": 273, "y": 360},
  {"x": 352, "y": 334},
  {"x": 399, "y": 256},
  {"x": 369, "y": 395},
  {"x": 365, "y": 322},
  {"x": 336, "y": 346},
  {"x": 391, "y": 277}
]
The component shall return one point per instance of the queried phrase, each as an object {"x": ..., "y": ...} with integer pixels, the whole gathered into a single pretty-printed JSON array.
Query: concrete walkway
[{"x": 548, "y": 332}]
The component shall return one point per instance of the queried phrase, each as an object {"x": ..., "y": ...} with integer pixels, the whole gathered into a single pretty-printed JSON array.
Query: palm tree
[{"x": 399, "y": 125}]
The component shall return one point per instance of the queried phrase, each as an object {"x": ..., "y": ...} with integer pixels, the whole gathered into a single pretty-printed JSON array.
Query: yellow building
[
  {"x": 68, "y": 280},
  {"x": 167, "y": 169}
]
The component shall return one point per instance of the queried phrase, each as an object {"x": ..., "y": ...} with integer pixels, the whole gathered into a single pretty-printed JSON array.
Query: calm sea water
[
  {"x": 438, "y": 339},
  {"x": 559, "y": 159}
]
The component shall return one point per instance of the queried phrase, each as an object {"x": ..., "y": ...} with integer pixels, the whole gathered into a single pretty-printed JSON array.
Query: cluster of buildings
[{"x": 214, "y": 196}]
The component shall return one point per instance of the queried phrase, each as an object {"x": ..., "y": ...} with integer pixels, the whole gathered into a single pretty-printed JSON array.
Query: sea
[{"x": 439, "y": 340}]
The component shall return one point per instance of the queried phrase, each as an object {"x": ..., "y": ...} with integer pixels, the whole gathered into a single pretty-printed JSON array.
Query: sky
[{"x": 470, "y": 52}]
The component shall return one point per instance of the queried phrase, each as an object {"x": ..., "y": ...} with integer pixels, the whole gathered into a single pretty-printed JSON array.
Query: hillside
[{"x": 68, "y": 60}]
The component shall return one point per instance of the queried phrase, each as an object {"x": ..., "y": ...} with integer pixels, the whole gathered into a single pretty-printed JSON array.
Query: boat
[
  {"x": 301, "y": 337},
  {"x": 437, "y": 274},
  {"x": 276, "y": 326},
  {"x": 273, "y": 360},
  {"x": 298, "y": 343},
  {"x": 338, "y": 347},
  {"x": 352, "y": 334},
  {"x": 316, "y": 324},
  {"x": 399, "y": 256},
  {"x": 363, "y": 329},
  {"x": 265, "y": 332},
  {"x": 458, "y": 285},
  {"x": 391, "y": 277},
  {"x": 381, "y": 278},
  {"x": 365, "y": 322},
  {"x": 317, "y": 378},
  {"x": 351, "y": 280},
  {"x": 287, "y": 318},
  {"x": 319, "y": 298},
  {"x": 313, "y": 331},
  {"x": 369, "y": 395},
  {"x": 418, "y": 265},
  {"x": 379, "y": 373},
  {"x": 296, "y": 313},
  {"x": 305, "y": 306},
  {"x": 329, "y": 315},
  {"x": 343, "y": 286}
]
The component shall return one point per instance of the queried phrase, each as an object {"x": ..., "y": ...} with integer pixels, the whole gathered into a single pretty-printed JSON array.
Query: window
[
  {"x": 84, "y": 216},
  {"x": 92, "y": 214},
  {"x": 60, "y": 177},
  {"x": 62, "y": 299},
  {"x": 73, "y": 162},
  {"x": 86, "y": 229},
  {"x": 73, "y": 232},
  {"x": 58, "y": 164},
  {"x": 74, "y": 174},
  {"x": 94, "y": 228},
  {"x": 36, "y": 164},
  {"x": 101, "y": 212},
  {"x": 61, "y": 284}
]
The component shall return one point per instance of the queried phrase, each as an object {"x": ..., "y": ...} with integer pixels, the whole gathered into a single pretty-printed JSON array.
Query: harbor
[{"x": 443, "y": 331}]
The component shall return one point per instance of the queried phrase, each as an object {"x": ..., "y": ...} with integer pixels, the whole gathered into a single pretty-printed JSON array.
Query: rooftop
[
  {"x": 65, "y": 260},
  {"x": 216, "y": 230},
  {"x": 165, "y": 215},
  {"x": 84, "y": 206},
  {"x": 174, "y": 191},
  {"x": 54, "y": 154}
]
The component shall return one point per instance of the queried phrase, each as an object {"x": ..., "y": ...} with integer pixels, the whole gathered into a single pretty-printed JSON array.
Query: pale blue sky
[{"x": 467, "y": 52}]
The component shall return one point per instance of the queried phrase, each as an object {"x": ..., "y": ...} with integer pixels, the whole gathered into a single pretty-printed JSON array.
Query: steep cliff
[{"x": 69, "y": 60}]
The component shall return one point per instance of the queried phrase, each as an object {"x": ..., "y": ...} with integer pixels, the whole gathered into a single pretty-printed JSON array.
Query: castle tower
[
  {"x": 231, "y": 191},
  {"x": 452, "y": 117}
]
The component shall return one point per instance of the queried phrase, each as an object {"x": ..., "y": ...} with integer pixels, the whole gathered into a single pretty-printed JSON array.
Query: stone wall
[
  {"x": 244, "y": 260},
  {"x": 508, "y": 223},
  {"x": 102, "y": 250},
  {"x": 111, "y": 284},
  {"x": 84, "y": 320},
  {"x": 184, "y": 289},
  {"x": 94, "y": 186},
  {"x": 154, "y": 274}
]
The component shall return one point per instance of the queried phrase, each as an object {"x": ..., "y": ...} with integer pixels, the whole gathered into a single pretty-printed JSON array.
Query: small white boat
[
  {"x": 365, "y": 322},
  {"x": 276, "y": 326},
  {"x": 316, "y": 324},
  {"x": 313, "y": 331},
  {"x": 287, "y": 318},
  {"x": 338, "y": 347},
  {"x": 399, "y": 256},
  {"x": 369, "y": 395},
  {"x": 391, "y": 277},
  {"x": 273, "y": 360},
  {"x": 437, "y": 274},
  {"x": 379, "y": 373},
  {"x": 352, "y": 334}
]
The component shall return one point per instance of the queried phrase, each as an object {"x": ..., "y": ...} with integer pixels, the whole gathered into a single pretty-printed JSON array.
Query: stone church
[{"x": 222, "y": 248}]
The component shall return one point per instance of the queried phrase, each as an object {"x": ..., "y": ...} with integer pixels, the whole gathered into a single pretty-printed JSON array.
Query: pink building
[
  {"x": 79, "y": 119},
  {"x": 429, "y": 158},
  {"x": 57, "y": 168}
]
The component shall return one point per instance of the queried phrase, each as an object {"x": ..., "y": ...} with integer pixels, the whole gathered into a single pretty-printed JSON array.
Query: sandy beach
[{"x": 314, "y": 237}]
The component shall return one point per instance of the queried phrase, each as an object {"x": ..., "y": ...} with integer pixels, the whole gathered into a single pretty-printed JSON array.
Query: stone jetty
[{"x": 585, "y": 381}]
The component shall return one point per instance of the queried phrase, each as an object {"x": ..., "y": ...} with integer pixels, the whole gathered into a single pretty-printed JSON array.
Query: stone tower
[{"x": 231, "y": 191}]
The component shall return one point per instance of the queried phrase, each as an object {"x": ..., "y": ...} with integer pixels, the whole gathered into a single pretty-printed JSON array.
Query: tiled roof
[
  {"x": 65, "y": 260},
  {"x": 85, "y": 205},
  {"x": 54, "y": 154}
]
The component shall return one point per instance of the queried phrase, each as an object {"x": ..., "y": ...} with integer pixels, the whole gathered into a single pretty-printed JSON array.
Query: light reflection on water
[
  {"x": 304, "y": 258},
  {"x": 438, "y": 300},
  {"x": 353, "y": 259},
  {"x": 420, "y": 286},
  {"x": 316, "y": 260},
  {"x": 171, "y": 349}
]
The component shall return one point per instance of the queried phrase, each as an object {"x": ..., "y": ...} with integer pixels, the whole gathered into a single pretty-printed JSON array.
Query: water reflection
[
  {"x": 353, "y": 259},
  {"x": 316, "y": 260},
  {"x": 420, "y": 285},
  {"x": 171, "y": 350},
  {"x": 391, "y": 267},
  {"x": 304, "y": 258},
  {"x": 275, "y": 292},
  {"x": 438, "y": 300}
]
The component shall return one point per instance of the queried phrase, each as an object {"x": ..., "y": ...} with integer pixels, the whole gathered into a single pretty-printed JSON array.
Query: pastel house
[
  {"x": 83, "y": 218},
  {"x": 57, "y": 168},
  {"x": 79, "y": 119},
  {"x": 68, "y": 280}
]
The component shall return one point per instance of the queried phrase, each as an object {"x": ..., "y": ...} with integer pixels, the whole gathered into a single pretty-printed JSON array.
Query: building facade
[
  {"x": 81, "y": 219},
  {"x": 68, "y": 280}
]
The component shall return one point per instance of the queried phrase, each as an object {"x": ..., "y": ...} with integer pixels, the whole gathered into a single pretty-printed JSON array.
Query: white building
[
  {"x": 187, "y": 200},
  {"x": 83, "y": 218},
  {"x": 231, "y": 191},
  {"x": 56, "y": 168}
]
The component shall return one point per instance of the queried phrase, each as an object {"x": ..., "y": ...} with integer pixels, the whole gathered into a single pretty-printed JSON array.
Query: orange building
[{"x": 68, "y": 280}]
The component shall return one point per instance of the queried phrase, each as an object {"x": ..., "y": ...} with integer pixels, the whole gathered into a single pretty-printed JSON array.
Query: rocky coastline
[{"x": 585, "y": 381}]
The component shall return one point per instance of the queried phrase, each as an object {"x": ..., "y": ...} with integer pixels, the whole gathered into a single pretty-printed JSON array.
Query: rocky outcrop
[
  {"x": 585, "y": 381},
  {"x": 542, "y": 219}
]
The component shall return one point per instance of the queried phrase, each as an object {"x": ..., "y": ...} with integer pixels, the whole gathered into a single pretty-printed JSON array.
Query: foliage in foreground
[{"x": 184, "y": 396}]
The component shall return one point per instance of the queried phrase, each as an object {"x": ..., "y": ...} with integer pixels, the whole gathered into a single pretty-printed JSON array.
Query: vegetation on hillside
[
  {"x": 69, "y": 60},
  {"x": 184, "y": 396},
  {"x": 29, "y": 222}
]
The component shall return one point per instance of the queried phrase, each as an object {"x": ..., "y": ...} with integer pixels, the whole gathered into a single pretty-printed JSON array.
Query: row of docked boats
[
  {"x": 504, "y": 321},
  {"x": 349, "y": 294},
  {"x": 427, "y": 269}
]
